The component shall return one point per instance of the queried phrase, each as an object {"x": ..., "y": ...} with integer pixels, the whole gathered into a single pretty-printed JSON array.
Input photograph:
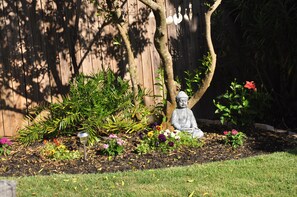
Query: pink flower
[
  {"x": 105, "y": 146},
  {"x": 120, "y": 142},
  {"x": 112, "y": 136},
  {"x": 234, "y": 132},
  {"x": 250, "y": 85},
  {"x": 226, "y": 132},
  {"x": 5, "y": 140}
]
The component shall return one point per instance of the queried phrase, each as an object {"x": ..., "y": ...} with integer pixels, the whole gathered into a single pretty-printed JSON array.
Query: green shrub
[
  {"x": 242, "y": 104},
  {"x": 98, "y": 104}
]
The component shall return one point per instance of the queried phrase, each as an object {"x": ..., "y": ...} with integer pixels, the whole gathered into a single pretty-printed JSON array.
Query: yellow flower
[
  {"x": 150, "y": 134},
  {"x": 61, "y": 146}
]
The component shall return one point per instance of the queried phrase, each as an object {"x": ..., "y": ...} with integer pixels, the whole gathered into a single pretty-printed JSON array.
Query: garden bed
[{"x": 27, "y": 161}]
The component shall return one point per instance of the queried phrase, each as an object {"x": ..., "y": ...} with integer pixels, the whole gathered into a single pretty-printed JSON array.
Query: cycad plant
[{"x": 98, "y": 104}]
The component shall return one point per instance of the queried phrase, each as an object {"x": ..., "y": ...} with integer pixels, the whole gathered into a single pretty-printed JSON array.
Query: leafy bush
[
  {"x": 242, "y": 104},
  {"x": 98, "y": 104}
]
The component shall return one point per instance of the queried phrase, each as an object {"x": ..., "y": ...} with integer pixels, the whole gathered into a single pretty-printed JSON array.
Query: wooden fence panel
[
  {"x": 42, "y": 44},
  {"x": 146, "y": 65}
]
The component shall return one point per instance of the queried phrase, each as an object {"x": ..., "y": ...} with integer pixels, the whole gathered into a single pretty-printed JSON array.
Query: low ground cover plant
[
  {"x": 164, "y": 140},
  {"x": 234, "y": 138},
  {"x": 56, "y": 150},
  {"x": 113, "y": 146},
  {"x": 5, "y": 146}
]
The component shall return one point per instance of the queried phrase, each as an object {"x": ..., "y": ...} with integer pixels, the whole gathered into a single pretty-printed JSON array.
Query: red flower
[
  {"x": 226, "y": 132},
  {"x": 56, "y": 141},
  {"x": 250, "y": 85}
]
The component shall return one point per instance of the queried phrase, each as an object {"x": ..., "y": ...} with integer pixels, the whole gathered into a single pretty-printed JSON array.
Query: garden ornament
[
  {"x": 83, "y": 137},
  {"x": 177, "y": 17},
  {"x": 190, "y": 12},
  {"x": 186, "y": 17},
  {"x": 183, "y": 118}
]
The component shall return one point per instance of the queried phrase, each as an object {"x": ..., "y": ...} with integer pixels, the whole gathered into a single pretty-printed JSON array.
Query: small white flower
[
  {"x": 176, "y": 132},
  {"x": 167, "y": 132},
  {"x": 177, "y": 137}
]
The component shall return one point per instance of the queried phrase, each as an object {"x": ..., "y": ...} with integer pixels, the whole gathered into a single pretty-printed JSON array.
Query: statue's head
[{"x": 182, "y": 99}]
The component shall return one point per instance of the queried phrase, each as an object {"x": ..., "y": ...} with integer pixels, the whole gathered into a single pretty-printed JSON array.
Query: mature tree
[
  {"x": 160, "y": 41},
  {"x": 208, "y": 78},
  {"x": 112, "y": 10},
  {"x": 162, "y": 48}
]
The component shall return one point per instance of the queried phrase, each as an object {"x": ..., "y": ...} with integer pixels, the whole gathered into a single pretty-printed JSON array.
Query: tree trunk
[
  {"x": 160, "y": 41},
  {"x": 123, "y": 30},
  {"x": 208, "y": 78},
  {"x": 131, "y": 60}
]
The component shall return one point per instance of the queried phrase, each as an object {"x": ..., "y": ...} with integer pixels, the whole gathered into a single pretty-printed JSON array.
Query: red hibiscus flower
[{"x": 250, "y": 85}]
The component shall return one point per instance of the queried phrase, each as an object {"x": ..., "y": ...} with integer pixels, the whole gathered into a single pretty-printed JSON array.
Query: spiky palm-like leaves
[{"x": 98, "y": 104}]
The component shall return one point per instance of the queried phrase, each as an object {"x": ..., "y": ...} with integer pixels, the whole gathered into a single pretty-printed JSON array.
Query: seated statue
[{"x": 183, "y": 118}]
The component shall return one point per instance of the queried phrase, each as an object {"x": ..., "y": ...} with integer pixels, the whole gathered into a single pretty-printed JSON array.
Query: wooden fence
[{"x": 44, "y": 42}]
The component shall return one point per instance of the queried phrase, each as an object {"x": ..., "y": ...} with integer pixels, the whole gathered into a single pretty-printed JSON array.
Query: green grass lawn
[{"x": 268, "y": 175}]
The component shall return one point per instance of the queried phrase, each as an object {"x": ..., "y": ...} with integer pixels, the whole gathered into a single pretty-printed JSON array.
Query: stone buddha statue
[{"x": 183, "y": 119}]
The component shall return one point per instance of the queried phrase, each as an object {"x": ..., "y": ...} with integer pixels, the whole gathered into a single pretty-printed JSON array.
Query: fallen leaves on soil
[{"x": 27, "y": 161}]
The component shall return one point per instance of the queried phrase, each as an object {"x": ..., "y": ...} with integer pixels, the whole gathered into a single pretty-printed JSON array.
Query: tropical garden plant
[
  {"x": 234, "y": 138},
  {"x": 99, "y": 104},
  {"x": 268, "y": 40},
  {"x": 5, "y": 146},
  {"x": 241, "y": 104}
]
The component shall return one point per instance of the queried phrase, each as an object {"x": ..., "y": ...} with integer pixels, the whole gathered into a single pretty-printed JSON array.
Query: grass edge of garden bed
[{"x": 266, "y": 175}]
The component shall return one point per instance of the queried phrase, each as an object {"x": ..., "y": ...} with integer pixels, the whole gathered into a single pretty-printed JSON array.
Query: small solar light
[{"x": 83, "y": 137}]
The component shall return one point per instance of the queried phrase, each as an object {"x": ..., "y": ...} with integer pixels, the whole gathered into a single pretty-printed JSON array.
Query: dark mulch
[{"x": 27, "y": 161}]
